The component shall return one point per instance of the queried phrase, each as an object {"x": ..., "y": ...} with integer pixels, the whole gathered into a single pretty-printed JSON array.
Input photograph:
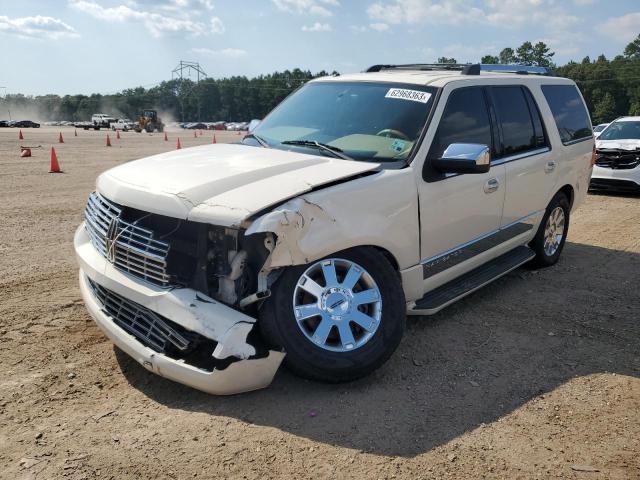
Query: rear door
[{"x": 530, "y": 165}]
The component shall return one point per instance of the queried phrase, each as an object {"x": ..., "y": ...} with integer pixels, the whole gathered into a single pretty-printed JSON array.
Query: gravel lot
[{"x": 535, "y": 376}]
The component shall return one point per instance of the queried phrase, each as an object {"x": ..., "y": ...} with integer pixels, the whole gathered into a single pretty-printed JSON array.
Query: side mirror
[
  {"x": 253, "y": 124},
  {"x": 464, "y": 158}
]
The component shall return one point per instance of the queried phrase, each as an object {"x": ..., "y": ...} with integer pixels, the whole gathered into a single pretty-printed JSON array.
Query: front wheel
[
  {"x": 339, "y": 318},
  {"x": 552, "y": 232}
]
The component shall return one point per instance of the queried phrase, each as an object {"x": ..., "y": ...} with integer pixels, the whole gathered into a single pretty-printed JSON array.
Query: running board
[{"x": 445, "y": 295}]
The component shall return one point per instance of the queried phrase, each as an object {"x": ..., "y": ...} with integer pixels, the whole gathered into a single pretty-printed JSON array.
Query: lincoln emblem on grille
[{"x": 112, "y": 236}]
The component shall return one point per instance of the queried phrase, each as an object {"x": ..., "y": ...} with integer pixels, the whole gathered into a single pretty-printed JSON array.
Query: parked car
[
  {"x": 4, "y": 123},
  {"x": 358, "y": 200},
  {"x": 124, "y": 124},
  {"x": 598, "y": 129},
  {"x": 196, "y": 126},
  {"x": 617, "y": 165},
  {"x": 25, "y": 124}
]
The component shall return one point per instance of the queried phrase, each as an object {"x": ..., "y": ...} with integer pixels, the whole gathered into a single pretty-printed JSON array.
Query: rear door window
[
  {"x": 465, "y": 120},
  {"x": 514, "y": 117},
  {"x": 569, "y": 112}
]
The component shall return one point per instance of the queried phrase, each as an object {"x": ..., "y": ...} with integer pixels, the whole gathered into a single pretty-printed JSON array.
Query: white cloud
[
  {"x": 397, "y": 12},
  {"x": 36, "y": 27},
  {"x": 320, "y": 8},
  {"x": 216, "y": 25},
  {"x": 379, "y": 27},
  {"x": 225, "y": 52},
  {"x": 500, "y": 13},
  {"x": 173, "y": 17},
  {"x": 317, "y": 27},
  {"x": 624, "y": 28}
]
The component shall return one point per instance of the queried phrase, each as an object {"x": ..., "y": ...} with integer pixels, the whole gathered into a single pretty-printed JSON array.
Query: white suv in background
[
  {"x": 358, "y": 200},
  {"x": 617, "y": 165}
]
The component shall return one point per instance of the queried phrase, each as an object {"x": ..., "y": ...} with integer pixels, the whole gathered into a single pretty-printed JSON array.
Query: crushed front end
[{"x": 179, "y": 297}]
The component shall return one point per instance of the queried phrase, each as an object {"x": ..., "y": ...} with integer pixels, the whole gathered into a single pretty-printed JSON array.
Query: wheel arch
[{"x": 569, "y": 191}]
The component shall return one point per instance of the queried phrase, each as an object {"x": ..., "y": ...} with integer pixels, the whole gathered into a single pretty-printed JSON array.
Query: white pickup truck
[{"x": 360, "y": 199}]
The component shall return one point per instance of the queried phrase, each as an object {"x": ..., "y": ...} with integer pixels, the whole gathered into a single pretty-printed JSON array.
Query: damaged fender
[{"x": 319, "y": 223}]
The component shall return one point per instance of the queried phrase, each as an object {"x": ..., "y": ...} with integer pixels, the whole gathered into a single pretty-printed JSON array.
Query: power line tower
[{"x": 182, "y": 72}]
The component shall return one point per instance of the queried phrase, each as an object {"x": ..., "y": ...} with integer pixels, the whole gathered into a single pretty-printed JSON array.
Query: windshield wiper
[
  {"x": 260, "y": 140},
  {"x": 337, "y": 152}
]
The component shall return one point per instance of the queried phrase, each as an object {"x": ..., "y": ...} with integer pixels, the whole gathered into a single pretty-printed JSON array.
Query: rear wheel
[
  {"x": 552, "y": 232},
  {"x": 339, "y": 318}
]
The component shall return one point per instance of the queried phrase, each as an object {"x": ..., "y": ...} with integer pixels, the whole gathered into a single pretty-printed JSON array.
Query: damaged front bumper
[{"x": 241, "y": 368}]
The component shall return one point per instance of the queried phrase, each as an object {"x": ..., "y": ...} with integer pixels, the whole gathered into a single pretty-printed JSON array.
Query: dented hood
[
  {"x": 626, "y": 144},
  {"x": 220, "y": 184}
]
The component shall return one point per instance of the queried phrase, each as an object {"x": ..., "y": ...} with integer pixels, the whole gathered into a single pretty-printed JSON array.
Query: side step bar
[{"x": 445, "y": 295}]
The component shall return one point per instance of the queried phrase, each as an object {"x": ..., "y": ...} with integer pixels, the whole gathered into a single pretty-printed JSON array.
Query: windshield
[
  {"x": 378, "y": 122},
  {"x": 621, "y": 131}
]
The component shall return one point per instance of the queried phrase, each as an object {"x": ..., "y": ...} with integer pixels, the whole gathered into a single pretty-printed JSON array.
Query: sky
[{"x": 105, "y": 46}]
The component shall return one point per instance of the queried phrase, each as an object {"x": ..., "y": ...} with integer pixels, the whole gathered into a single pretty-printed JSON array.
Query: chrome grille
[
  {"x": 148, "y": 327},
  {"x": 129, "y": 247}
]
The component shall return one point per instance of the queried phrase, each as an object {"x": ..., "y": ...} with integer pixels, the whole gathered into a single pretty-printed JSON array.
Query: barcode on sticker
[{"x": 413, "y": 95}]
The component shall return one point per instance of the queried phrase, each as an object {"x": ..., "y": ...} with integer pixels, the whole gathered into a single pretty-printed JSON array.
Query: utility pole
[{"x": 183, "y": 69}]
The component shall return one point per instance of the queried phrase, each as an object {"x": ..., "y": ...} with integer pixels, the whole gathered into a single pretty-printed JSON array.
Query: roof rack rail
[
  {"x": 519, "y": 69},
  {"x": 418, "y": 66},
  {"x": 466, "y": 69}
]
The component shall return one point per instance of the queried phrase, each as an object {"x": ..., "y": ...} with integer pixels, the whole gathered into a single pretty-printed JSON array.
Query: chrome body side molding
[{"x": 443, "y": 261}]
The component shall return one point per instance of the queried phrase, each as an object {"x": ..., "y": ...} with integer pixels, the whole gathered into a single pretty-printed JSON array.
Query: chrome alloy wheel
[
  {"x": 554, "y": 231},
  {"x": 337, "y": 305}
]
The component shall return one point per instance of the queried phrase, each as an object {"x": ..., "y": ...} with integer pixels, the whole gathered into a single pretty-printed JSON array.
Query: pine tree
[{"x": 605, "y": 109}]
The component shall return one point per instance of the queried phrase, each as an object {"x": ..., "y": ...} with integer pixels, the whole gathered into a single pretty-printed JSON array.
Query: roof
[
  {"x": 627, "y": 119},
  {"x": 439, "y": 78}
]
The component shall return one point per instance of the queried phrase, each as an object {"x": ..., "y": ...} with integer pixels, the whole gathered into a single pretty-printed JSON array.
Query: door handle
[
  {"x": 550, "y": 166},
  {"x": 492, "y": 185}
]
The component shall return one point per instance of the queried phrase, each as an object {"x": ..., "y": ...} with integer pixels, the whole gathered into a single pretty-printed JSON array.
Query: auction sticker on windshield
[{"x": 413, "y": 95}]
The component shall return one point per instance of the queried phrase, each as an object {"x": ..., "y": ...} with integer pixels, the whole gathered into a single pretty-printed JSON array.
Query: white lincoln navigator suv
[{"x": 358, "y": 200}]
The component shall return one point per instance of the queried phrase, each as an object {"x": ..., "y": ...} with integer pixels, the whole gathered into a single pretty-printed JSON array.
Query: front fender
[{"x": 379, "y": 210}]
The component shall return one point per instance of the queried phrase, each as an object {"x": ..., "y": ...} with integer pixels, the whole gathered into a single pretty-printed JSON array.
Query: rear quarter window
[{"x": 569, "y": 112}]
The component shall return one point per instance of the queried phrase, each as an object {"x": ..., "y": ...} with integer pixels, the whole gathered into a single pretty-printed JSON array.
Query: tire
[
  {"x": 332, "y": 361},
  {"x": 547, "y": 250}
]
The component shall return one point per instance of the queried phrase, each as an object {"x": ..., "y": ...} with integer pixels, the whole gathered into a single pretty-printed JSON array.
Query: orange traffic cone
[
  {"x": 118, "y": 134},
  {"x": 239, "y": 133},
  {"x": 165, "y": 137},
  {"x": 108, "y": 141},
  {"x": 214, "y": 139},
  {"x": 195, "y": 134},
  {"x": 20, "y": 136},
  {"x": 75, "y": 132},
  {"x": 178, "y": 146},
  {"x": 55, "y": 167},
  {"x": 25, "y": 152},
  {"x": 60, "y": 139}
]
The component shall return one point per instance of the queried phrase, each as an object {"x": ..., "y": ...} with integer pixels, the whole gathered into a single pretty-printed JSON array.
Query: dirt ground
[{"x": 535, "y": 376}]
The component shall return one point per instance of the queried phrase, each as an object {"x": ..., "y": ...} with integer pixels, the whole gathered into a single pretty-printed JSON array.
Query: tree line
[{"x": 611, "y": 88}]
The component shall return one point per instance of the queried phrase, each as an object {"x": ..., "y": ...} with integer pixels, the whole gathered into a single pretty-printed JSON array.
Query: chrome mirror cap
[
  {"x": 464, "y": 158},
  {"x": 476, "y": 152}
]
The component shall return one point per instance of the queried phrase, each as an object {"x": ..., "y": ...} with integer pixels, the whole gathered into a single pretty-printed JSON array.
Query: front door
[{"x": 460, "y": 214}]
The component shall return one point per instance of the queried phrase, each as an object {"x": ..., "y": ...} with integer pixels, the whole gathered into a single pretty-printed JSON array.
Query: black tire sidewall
[{"x": 280, "y": 329}]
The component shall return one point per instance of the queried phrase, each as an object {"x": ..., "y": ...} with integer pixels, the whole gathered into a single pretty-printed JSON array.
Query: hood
[
  {"x": 630, "y": 144},
  {"x": 220, "y": 184}
]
